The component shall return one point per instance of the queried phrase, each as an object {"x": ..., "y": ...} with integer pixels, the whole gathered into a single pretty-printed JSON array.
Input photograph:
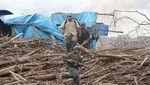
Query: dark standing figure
[
  {"x": 85, "y": 35},
  {"x": 5, "y": 29},
  {"x": 72, "y": 66},
  {"x": 70, "y": 28}
]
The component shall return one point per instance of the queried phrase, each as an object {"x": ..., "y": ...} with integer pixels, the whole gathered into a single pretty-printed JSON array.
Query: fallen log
[
  {"x": 6, "y": 70},
  {"x": 130, "y": 49},
  {"x": 49, "y": 76},
  {"x": 134, "y": 62},
  {"x": 97, "y": 80},
  {"x": 112, "y": 31},
  {"x": 85, "y": 76},
  {"x": 4, "y": 44},
  {"x": 112, "y": 56},
  {"x": 95, "y": 54},
  {"x": 135, "y": 79},
  {"x": 118, "y": 49},
  {"x": 23, "y": 59},
  {"x": 4, "y": 38},
  {"x": 30, "y": 84},
  {"x": 29, "y": 40},
  {"x": 100, "y": 83},
  {"x": 48, "y": 55},
  {"x": 13, "y": 83},
  {"x": 59, "y": 47},
  {"x": 16, "y": 68},
  {"x": 143, "y": 62},
  {"x": 106, "y": 50},
  {"x": 17, "y": 75},
  {"x": 84, "y": 49},
  {"x": 88, "y": 72}
]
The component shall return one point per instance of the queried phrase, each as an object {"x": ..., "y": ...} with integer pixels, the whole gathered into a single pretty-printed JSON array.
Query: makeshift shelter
[{"x": 39, "y": 25}]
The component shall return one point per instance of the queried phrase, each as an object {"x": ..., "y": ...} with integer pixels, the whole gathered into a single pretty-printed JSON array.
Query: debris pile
[{"x": 38, "y": 62}]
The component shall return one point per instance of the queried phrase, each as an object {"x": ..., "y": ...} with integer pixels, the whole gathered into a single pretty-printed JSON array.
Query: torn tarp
[{"x": 48, "y": 22}]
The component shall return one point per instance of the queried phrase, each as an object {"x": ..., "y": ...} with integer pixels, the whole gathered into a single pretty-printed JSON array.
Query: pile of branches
[{"x": 38, "y": 62}]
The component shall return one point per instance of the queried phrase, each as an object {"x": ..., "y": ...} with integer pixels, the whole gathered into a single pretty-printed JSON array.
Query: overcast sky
[
  {"x": 52, "y": 6},
  {"x": 73, "y": 6}
]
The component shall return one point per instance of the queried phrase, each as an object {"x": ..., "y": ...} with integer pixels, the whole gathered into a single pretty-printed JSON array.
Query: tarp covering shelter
[
  {"x": 48, "y": 22},
  {"x": 102, "y": 29}
]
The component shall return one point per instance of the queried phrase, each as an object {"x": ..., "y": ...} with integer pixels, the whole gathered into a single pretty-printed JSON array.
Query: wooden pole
[
  {"x": 18, "y": 76},
  {"x": 4, "y": 44}
]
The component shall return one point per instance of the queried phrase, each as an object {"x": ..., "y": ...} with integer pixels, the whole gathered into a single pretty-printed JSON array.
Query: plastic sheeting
[
  {"x": 102, "y": 29},
  {"x": 48, "y": 22}
]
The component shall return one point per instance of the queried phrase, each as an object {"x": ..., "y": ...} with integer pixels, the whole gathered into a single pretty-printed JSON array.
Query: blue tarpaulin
[
  {"x": 102, "y": 30},
  {"x": 48, "y": 22}
]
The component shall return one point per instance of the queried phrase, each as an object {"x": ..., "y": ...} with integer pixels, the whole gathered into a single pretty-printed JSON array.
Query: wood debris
[{"x": 36, "y": 61}]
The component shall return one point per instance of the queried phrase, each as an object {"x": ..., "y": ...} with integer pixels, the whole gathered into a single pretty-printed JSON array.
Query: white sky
[{"x": 53, "y": 6}]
